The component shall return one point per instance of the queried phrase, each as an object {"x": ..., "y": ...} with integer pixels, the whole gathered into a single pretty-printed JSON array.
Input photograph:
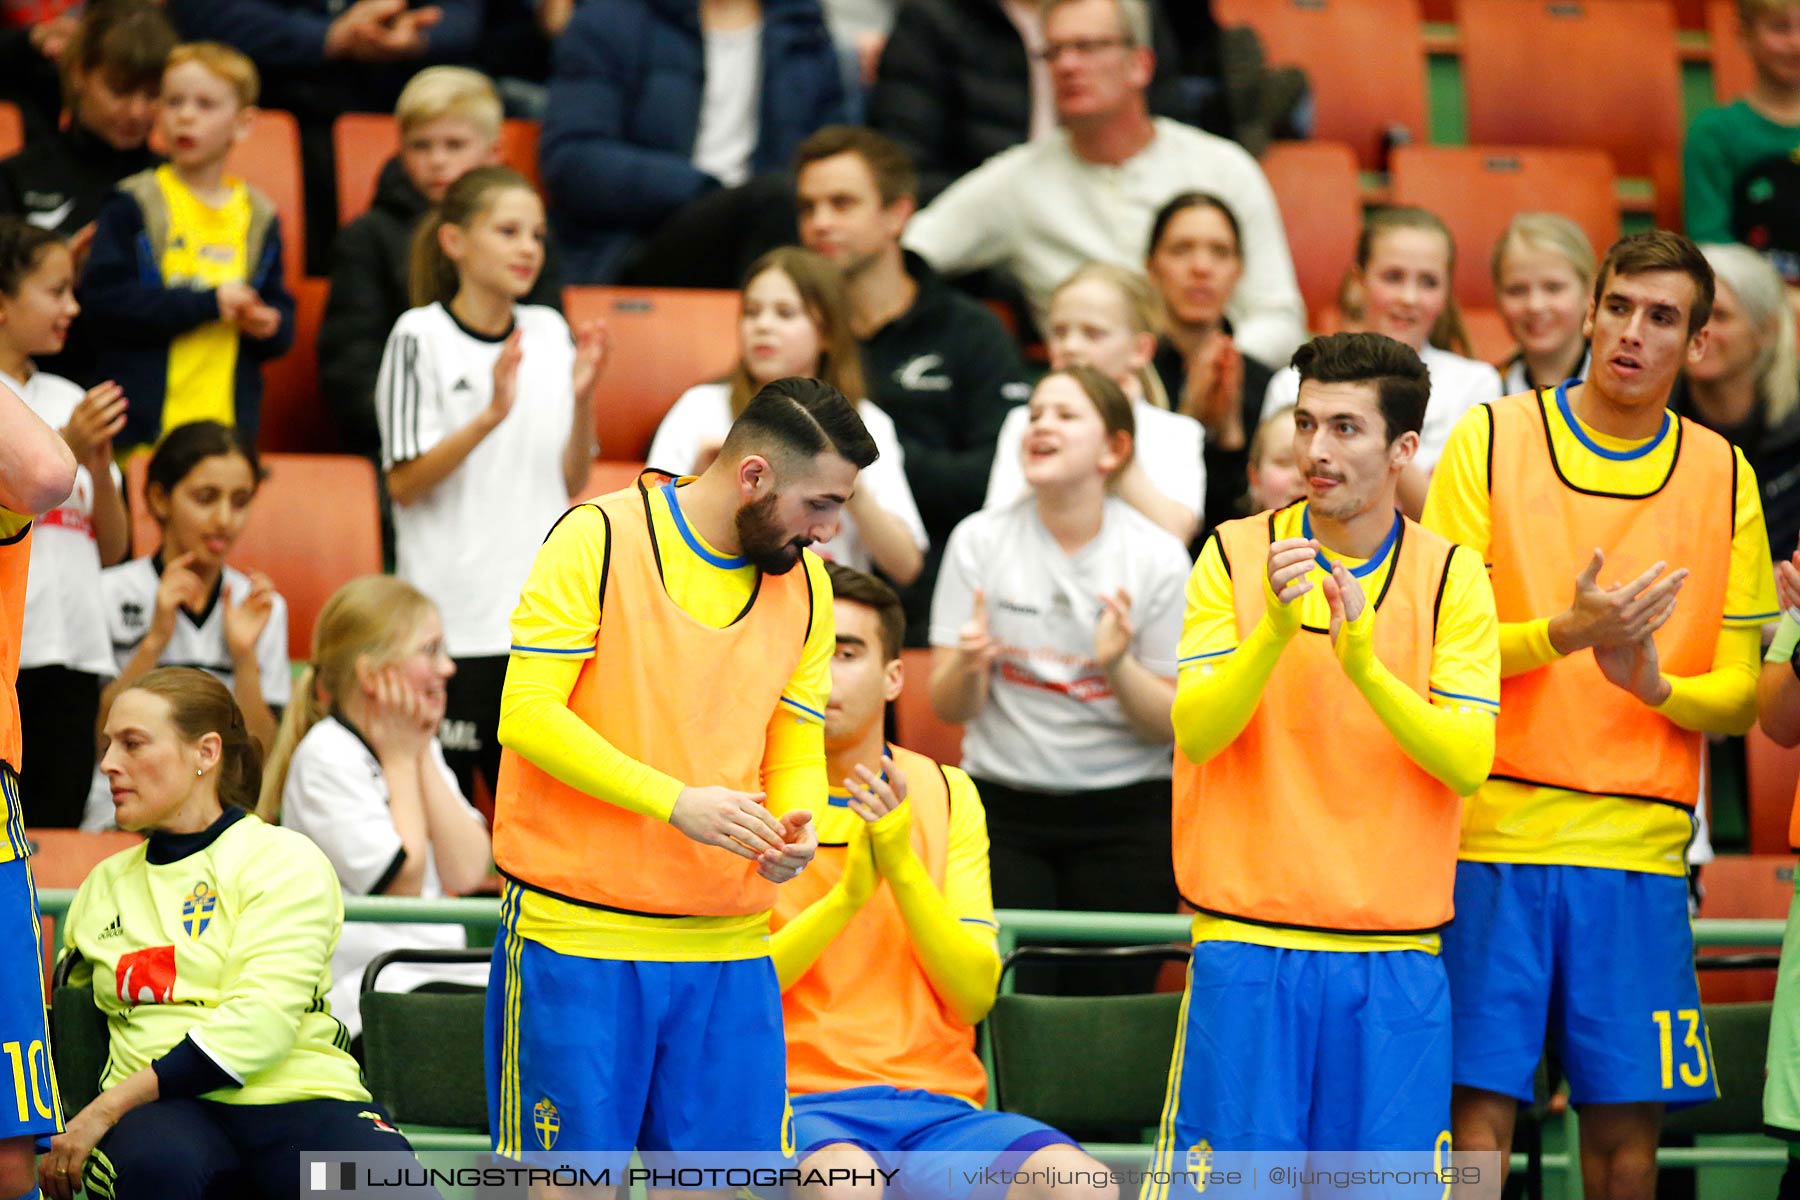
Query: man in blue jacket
[{"x": 658, "y": 104}]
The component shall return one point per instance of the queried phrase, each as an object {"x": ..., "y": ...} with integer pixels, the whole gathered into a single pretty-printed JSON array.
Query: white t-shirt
[
  {"x": 1170, "y": 445},
  {"x": 1039, "y": 211},
  {"x": 469, "y": 543},
  {"x": 128, "y": 595},
  {"x": 730, "y": 117},
  {"x": 1457, "y": 385},
  {"x": 702, "y": 418},
  {"x": 65, "y": 618},
  {"x": 336, "y": 795},
  {"x": 1051, "y": 721}
]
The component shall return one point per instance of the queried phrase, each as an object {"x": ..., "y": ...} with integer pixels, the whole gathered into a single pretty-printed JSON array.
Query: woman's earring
[{"x": 199, "y": 771}]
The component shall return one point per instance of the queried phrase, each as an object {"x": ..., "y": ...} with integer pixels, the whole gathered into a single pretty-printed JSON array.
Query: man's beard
[{"x": 760, "y": 538}]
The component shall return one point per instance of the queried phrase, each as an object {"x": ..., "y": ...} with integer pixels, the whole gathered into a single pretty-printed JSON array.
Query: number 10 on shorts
[{"x": 1691, "y": 1075}]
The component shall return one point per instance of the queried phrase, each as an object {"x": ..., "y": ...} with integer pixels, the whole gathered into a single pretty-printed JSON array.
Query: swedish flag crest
[
  {"x": 197, "y": 909},
  {"x": 547, "y": 1121}
]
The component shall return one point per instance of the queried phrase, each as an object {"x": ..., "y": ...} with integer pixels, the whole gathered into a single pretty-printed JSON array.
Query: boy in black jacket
[{"x": 449, "y": 122}]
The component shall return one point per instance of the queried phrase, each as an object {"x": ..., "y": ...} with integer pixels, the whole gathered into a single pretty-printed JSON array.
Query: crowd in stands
[{"x": 879, "y": 180}]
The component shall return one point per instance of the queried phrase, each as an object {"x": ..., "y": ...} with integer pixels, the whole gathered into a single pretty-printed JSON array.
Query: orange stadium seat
[
  {"x": 1746, "y": 887},
  {"x": 269, "y": 160},
  {"x": 609, "y": 475},
  {"x": 1490, "y": 342},
  {"x": 1316, "y": 185},
  {"x": 1601, "y": 74},
  {"x": 294, "y": 418},
  {"x": 314, "y": 526},
  {"x": 1732, "y": 73},
  {"x": 12, "y": 129},
  {"x": 363, "y": 142},
  {"x": 1774, "y": 772},
  {"x": 663, "y": 341},
  {"x": 1478, "y": 189},
  {"x": 1365, "y": 60},
  {"x": 916, "y": 726}
]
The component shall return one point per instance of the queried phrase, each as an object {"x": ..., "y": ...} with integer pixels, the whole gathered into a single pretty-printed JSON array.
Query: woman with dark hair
[
  {"x": 208, "y": 948},
  {"x": 1195, "y": 259}
]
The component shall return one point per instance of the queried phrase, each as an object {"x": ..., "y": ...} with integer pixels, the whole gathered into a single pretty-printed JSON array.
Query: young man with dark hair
[
  {"x": 1339, "y": 678},
  {"x": 1571, "y": 890},
  {"x": 940, "y": 364},
  {"x": 660, "y": 771},
  {"x": 885, "y": 951}
]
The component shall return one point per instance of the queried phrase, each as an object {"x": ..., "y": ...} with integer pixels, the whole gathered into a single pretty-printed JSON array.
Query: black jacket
[
  {"x": 1774, "y": 454},
  {"x": 59, "y": 181},
  {"x": 1227, "y": 471},
  {"x": 369, "y": 290},
  {"x": 954, "y": 86},
  {"x": 946, "y": 371}
]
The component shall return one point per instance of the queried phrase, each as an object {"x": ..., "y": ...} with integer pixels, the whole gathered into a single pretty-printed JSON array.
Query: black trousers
[
  {"x": 185, "y": 1149},
  {"x": 471, "y": 729},
  {"x": 57, "y": 711},
  {"x": 1105, "y": 850}
]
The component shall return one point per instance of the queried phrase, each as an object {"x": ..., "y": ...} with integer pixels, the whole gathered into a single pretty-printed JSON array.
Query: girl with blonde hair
[{"x": 1543, "y": 268}]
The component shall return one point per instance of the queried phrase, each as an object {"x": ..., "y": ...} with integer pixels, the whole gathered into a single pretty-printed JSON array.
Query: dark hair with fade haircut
[
  {"x": 22, "y": 247},
  {"x": 801, "y": 418},
  {"x": 1660, "y": 250},
  {"x": 895, "y": 174},
  {"x": 859, "y": 587},
  {"x": 1402, "y": 382},
  {"x": 127, "y": 41}
]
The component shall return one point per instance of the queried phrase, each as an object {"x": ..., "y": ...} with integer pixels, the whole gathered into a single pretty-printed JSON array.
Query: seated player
[{"x": 885, "y": 949}]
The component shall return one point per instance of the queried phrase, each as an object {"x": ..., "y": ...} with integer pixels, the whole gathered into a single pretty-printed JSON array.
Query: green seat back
[
  {"x": 1084, "y": 1062},
  {"x": 1739, "y": 1034},
  {"x": 422, "y": 1056},
  {"x": 80, "y": 1044}
]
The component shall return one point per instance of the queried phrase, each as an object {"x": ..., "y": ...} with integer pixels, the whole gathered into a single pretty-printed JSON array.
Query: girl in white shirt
[
  {"x": 1053, "y": 630},
  {"x": 486, "y": 432},
  {"x": 1405, "y": 261},
  {"x": 358, "y": 768},
  {"x": 1108, "y": 317},
  {"x": 795, "y": 320},
  {"x": 1543, "y": 271},
  {"x": 65, "y": 655}
]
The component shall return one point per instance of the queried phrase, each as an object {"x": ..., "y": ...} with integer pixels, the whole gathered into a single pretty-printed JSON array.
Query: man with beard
[
  {"x": 659, "y": 770},
  {"x": 1596, "y": 509},
  {"x": 1339, "y": 679}
]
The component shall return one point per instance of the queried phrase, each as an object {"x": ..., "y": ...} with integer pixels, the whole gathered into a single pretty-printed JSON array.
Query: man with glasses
[{"x": 1089, "y": 190}]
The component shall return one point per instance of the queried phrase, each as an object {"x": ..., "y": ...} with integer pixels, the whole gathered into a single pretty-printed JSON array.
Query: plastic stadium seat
[
  {"x": 1774, "y": 772},
  {"x": 1747, "y": 887},
  {"x": 1492, "y": 342},
  {"x": 314, "y": 526},
  {"x": 610, "y": 475},
  {"x": 62, "y": 858},
  {"x": 12, "y": 129},
  {"x": 664, "y": 341},
  {"x": 422, "y": 1050},
  {"x": 1316, "y": 185},
  {"x": 1737, "y": 1037},
  {"x": 1365, "y": 60},
  {"x": 1601, "y": 74},
  {"x": 1478, "y": 189},
  {"x": 269, "y": 160},
  {"x": 916, "y": 726},
  {"x": 1732, "y": 73},
  {"x": 80, "y": 1044},
  {"x": 294, "y": 418},
  {"x": 363, "y": 142}
]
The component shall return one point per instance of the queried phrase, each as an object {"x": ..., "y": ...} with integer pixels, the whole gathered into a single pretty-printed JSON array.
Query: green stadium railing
[{"x": 1018, "y": 925}]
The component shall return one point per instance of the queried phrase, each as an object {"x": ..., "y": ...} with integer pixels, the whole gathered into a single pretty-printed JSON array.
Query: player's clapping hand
[
  {"x": 880, "y": 800},
  {"x": 1345, "y": 596},
  {"x": 1636, "y": 667},
  {"x": 1290, "y": 561},
  {"x": 95, "y": 422},
  {"x": 1787, "y": 585},
  {"x": 245, "y": 619},
  {"x": 975, "y": 648},
  {"x": 591, "y": 346},
  {"x": 1614, "y": 616},
  {"x": 800, "y": 841},
  {"x": 731, "y": 820}
]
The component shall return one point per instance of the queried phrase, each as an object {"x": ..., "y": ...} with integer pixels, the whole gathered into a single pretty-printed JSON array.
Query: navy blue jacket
[
  {"x": 624, "y": 110},
  {"x": 133, "y": 317},
  {"x": 289, "y": 34}
]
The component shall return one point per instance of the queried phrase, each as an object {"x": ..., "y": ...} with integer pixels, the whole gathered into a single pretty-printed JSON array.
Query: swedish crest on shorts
[{"x": 547, "y": 1121}]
